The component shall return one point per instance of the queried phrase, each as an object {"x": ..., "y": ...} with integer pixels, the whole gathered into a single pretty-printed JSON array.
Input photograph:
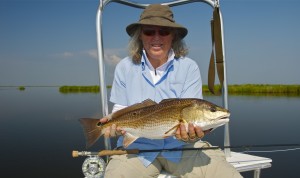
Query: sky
[{"x": 53, "y": 42}]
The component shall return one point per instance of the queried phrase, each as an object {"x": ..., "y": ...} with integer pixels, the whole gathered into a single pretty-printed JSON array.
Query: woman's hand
[
  {"x": 113, "y": 130},
  {"x": 192, "y": 135}
]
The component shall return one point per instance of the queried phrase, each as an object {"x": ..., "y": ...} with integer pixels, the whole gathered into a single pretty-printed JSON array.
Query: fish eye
[{"x": 213, "y": 109}]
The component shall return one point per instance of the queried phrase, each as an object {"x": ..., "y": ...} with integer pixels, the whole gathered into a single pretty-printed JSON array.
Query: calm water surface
[{"x": 39, "y": 128}]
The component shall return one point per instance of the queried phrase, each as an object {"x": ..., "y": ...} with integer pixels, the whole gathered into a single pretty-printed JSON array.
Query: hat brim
[{"x": 182, "y": 31}]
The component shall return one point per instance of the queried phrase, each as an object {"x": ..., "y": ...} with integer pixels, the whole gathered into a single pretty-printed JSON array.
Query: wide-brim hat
[{"x": 158, "y": 15}]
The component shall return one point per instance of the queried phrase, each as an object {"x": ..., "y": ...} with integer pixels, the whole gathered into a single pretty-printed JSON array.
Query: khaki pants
[{"x": 198, "y": 163}]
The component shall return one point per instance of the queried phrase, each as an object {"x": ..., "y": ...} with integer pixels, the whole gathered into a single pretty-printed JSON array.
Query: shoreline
[{"x": 235, "y": 89}]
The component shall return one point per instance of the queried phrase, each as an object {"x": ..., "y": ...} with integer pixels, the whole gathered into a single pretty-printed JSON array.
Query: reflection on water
[{"x": 39, "y": 128}]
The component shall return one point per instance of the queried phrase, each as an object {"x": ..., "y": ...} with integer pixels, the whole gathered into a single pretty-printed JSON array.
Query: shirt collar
[{"x": 163, "y": 67}]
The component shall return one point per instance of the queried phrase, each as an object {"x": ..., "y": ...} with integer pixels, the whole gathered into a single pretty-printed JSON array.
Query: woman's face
[{"x": 157, "y": 41}]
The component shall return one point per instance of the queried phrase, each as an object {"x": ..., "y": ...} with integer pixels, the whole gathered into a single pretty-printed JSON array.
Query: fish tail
[{"x": 92, "y": 130}]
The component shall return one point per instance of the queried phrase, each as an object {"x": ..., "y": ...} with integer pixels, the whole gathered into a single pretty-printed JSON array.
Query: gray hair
[{"x": 135, "y": 46}]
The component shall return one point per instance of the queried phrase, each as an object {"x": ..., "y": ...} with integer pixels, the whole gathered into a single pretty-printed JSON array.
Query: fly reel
[{"x": 93, "y": 166}]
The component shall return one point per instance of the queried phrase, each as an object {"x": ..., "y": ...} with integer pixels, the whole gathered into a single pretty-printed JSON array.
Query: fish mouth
[
  {"x": 224, "y": 117},
  {"x": 218, "y": 122}
]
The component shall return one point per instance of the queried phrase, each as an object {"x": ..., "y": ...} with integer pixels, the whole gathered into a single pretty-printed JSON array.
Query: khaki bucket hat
[{"x": 159, "y": 15}]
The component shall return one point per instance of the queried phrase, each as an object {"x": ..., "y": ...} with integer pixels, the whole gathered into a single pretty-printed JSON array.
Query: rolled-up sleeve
[{"x": 118, "y": 92}]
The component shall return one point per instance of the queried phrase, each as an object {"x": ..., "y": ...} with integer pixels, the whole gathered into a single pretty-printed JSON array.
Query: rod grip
[
  {"x": 117, "y": 152},
  {"x": 75, "y": 154}
]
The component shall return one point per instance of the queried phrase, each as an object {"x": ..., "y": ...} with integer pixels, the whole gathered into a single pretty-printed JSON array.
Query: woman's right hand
[{"x": 113, "y": 130}]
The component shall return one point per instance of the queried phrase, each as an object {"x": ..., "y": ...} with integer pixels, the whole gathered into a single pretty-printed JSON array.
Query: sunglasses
[{"x": 161, "y": 32}]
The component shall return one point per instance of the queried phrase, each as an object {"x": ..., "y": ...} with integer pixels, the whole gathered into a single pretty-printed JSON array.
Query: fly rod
[{"x": 136, "y": 151}]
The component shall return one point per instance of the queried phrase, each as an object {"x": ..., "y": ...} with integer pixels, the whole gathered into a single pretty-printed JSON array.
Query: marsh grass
[
  {"x": 259, "y": 89},
  {"x": 21, "y": 88},
  {"x": 79, "y": 89},
  {"x": 245, "y": 89}
]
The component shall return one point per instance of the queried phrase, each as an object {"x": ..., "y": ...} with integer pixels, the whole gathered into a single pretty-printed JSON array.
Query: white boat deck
[
  {"x": 245, "y": 162},
  {"x": 242, "y": 162}
]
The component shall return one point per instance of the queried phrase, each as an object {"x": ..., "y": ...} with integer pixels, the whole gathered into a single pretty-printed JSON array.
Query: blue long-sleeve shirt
[{"x": 133, "y": 84}]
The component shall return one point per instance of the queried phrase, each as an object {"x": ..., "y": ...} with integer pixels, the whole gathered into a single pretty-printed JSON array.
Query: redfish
[{"x": 153, "y": 120}]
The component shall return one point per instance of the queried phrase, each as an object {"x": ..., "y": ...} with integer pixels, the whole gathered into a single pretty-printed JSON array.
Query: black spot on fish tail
[{"x": 99, "y": 124}]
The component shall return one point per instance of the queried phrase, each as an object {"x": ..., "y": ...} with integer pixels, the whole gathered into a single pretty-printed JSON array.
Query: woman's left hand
[{"x": 193, "y": 134}]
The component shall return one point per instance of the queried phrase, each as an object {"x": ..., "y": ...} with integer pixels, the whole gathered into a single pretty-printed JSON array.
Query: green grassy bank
[
  {"x": 245, "y": 89},
  {"x": 259, "y": 89},
  {"x": 79, "y": 89}
]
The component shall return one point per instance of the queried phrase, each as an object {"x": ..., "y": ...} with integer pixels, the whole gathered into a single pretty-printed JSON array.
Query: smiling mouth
[{"x": 156, "y": 45}]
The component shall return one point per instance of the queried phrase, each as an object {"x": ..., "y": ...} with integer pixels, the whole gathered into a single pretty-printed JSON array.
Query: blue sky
[{"x": 53, "y": 42}]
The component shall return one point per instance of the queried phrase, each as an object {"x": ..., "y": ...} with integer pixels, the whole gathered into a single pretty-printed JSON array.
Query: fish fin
[
  {"x": 149, "y": 102},
  {"x": 167, "y": 100},
  {"x": 176, "y": 126},
  {"x": 182, "y": 121},
  {"x": 145, "y": 103},
  {"x": 128, "y": 139},
  {"x": 173, "y": 129},
  {"x": 92, "y": 130}
]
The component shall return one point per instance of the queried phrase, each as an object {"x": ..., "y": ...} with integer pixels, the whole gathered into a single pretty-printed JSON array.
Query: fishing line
[
  {"x": 240, "y": 146},
  {"x": 247, "y": 147},
  {"x": 194, "y": 156},
  {"x": 248, "y": 151},
  {"x": 271, "y": 151}
]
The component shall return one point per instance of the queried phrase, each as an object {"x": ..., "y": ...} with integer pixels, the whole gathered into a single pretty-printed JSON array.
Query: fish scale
[{"x": 157, "y": 120}]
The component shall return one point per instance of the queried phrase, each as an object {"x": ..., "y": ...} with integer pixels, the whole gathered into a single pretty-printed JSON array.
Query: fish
[{"x": 153, "y": 120}]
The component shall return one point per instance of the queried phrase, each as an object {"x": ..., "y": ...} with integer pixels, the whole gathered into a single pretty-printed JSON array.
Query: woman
[{"x": 158, "y": 68}]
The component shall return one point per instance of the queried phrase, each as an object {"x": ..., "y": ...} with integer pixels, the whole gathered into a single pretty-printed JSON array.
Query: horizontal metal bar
[{"x": 212, "y": 3}]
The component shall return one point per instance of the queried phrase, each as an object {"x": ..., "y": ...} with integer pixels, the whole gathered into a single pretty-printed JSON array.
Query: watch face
[{"x": 93, "y": 167}]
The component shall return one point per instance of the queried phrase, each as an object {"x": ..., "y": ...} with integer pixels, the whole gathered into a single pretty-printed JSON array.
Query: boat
[{"x": 94, "y": 166}]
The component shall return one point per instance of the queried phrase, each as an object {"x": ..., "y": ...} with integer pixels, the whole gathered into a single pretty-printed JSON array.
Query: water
[{"x": 39, "y": 128}]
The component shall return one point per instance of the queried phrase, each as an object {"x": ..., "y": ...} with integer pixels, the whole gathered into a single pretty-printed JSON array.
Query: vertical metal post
[
  {"x": 256, "y": 173},
  {"x": 225, "y": 93},
  {"x": 102, "y": 81}
]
